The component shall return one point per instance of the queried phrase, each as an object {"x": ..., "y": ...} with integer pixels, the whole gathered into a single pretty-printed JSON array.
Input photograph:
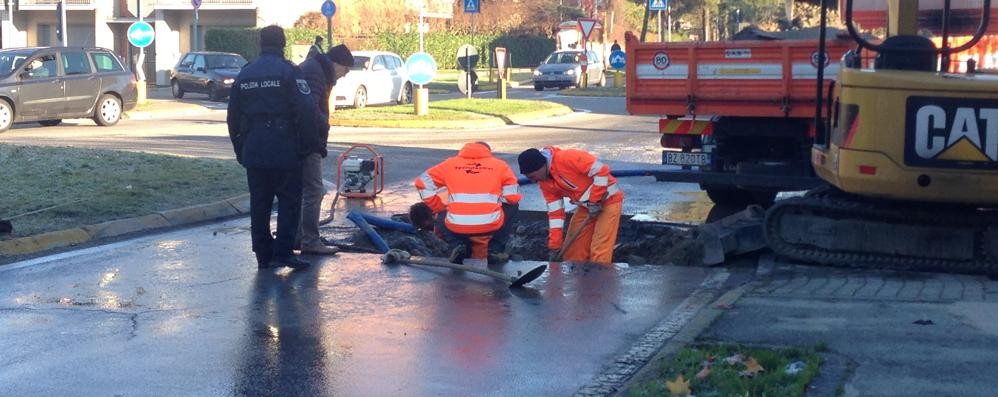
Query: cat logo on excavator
[{"x": 951, "y": 132}]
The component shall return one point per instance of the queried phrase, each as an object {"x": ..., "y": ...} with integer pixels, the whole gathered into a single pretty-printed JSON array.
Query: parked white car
[{"x": 376, "y": 77}]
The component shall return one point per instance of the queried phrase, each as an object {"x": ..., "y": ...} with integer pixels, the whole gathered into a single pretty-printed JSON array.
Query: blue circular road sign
[
  {"x": 140, "y": 34},
  {"x": 328, "y": 8},
  {"x": 421, "y": 68},
  {"x": 618, "y": 59}
]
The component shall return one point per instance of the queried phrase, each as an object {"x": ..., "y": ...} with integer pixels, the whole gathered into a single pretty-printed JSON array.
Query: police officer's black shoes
[
  {"x": 290, "y": 261},
  {"x": 458, "y": 254}
]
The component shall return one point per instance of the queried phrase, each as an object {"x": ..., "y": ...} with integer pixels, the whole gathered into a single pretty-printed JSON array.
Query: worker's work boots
[
  {"x": 290, "y": 261},
  {"x": 458, "y": 254}
]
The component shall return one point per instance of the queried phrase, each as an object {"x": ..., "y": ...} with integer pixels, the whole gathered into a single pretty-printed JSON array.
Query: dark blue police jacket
[{"x": 271, "y": 114}]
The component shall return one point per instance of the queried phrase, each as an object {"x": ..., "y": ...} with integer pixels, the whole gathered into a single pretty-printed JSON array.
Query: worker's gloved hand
[{"x": 594, "y": 209}]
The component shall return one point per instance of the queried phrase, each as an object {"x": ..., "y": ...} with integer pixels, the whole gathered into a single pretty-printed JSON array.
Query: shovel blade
[{"x": 528, "y": 277}]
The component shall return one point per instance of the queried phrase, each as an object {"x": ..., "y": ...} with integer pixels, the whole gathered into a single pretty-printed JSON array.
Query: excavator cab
[
  {"x": 910, "y": 151},
  {"x": 906, "y": 128}
]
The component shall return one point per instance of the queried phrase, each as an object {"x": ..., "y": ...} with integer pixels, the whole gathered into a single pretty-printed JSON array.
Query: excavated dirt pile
[{"x": 638, "y": 242}]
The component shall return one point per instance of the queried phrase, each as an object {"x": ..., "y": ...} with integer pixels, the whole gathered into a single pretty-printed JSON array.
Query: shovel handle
[
  {"x": 571, "y": 238},
  {"x": 436, "y": 262}
]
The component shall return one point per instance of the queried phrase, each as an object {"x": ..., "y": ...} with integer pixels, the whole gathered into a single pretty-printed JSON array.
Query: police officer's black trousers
[{"x": 264, "y": 185}]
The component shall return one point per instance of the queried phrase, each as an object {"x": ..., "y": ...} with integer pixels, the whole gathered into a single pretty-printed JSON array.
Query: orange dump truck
[{"x": 737, "y": 116}]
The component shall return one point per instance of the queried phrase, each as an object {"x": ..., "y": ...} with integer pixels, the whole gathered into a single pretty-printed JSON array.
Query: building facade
[{"x": 103, "y": 23}]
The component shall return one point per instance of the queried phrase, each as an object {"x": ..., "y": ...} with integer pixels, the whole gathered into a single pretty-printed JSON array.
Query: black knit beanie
[
  {"x": 341, "y": 55},
  {"x": 531, "y": 160},
  {"x": 272, "y": 38}
]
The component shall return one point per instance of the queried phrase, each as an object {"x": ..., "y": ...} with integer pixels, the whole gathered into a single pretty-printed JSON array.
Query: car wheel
[
  {"x": 538, "y": 87},
  {"x": 108, "y": 110},
  {"x": 360, "y": 98},
  {"x": 50, "y": 123},
  {"x": 177, "y": 91},
  {"x": 213, "y": 93},
  {"x": 406, "y": 96},
  {"x": 6, "y": 115}
]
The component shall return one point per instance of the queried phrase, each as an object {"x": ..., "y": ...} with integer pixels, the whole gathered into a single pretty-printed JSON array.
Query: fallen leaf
[
  {"x": 703, "y": 374},
  {"x": 679, "y": 387},
  {"x": 735, "y": 359},
  {"x": 752, "y": 368}
]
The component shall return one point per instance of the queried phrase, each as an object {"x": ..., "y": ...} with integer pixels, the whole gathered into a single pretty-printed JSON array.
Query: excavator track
[{"x": 835, "y": 228}]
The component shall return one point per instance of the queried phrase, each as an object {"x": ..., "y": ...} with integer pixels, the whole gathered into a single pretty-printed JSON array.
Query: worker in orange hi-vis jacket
[
  {"x": 482, "y": 202},
  {"x": 587, "y": 183}
]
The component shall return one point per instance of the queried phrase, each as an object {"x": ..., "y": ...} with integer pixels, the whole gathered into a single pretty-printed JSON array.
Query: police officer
[{"x": 271, "y": 117}]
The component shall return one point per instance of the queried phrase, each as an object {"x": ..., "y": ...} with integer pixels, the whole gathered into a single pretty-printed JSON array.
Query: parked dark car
[
  {"x": 48, "y": 84},
  {"x": 206, "y": 72}
]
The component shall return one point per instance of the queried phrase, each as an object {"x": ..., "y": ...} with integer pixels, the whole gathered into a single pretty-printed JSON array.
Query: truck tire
[{"x": 739, "y": 197}]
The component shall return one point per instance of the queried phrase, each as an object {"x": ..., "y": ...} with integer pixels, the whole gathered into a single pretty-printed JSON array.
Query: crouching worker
[
  {"x": 587, "y": 183},
  {"x": 482, "y": 202}
]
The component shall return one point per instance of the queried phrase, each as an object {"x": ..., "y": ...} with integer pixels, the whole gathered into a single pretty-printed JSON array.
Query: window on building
[
  {"x": 44, "y": 38},
  {"x": 105, "y": 62},
  {"x": 75, "y": 62}
]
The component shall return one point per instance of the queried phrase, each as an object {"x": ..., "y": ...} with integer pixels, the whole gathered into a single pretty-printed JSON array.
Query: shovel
[
  {"x": 397, "y": 256},
  {"x": 571, "y": 238}
]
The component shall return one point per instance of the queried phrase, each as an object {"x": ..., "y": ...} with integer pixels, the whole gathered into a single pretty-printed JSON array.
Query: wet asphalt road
[{"x": 187, "y": 313}]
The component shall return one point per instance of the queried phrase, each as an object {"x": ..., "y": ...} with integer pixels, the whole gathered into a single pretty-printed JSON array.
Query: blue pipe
[
  {"x": 358, "y": 219},
  {"x": 388, "y": 223},
  {"x": 522, "y": 180}
]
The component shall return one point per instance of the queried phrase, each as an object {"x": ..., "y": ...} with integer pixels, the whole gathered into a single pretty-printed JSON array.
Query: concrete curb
[
  {"x": 687, "y": 335},
  {"x": 234, "y": 206},
  {"x": 491, "y": 122}
]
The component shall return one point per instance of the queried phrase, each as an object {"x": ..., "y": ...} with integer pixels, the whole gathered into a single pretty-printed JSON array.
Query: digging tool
[
  {"x": 397, "y": 256},
  {"x": 571, "y": 238}
]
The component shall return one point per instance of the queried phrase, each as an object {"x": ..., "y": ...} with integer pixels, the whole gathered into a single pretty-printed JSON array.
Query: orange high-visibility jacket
[
  {"x": 477, "y": 185},
  {"x": 580, "y": 177}
]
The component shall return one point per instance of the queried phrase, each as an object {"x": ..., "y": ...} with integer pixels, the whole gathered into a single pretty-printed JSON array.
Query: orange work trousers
[{"x": 597, "y": 238}]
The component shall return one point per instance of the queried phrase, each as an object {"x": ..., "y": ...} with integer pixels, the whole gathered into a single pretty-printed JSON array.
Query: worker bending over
[
  {"x": 482, "y": 198},
  {"x": 587, "y": 183}
]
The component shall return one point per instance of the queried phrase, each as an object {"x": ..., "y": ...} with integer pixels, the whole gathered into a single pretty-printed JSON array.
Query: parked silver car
[
  {"x": 376, "y": 77},
  {"x": 563, "y": 69},
  {"x": 48, "y": 84}
]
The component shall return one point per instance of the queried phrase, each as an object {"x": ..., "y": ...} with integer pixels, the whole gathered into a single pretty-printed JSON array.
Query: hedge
[
  {"x": 245, "y": 41},
  {"x": 524, "y": 50}
]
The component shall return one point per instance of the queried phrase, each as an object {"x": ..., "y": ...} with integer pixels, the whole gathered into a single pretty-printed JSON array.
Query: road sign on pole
[
  {"x": 140, "y": 34},
  {"x": 421, "y": 68},
  {"x": 472, "y": 6},
  {"x": 328, "y": 8},
  {"x": 196, "y": 4},
  {"x": 658, "y": 5},
  {"x": 586, "y": 25},
  {"x": 618, "y": 59}
]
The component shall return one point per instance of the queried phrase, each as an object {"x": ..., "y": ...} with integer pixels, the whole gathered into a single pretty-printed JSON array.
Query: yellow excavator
[{"x": 910, "y": 151}]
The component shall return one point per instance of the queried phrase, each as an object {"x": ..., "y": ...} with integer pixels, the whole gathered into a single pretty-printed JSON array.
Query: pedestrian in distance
[
  {"x": 615, "y": 46},
  {"x": 482, "y": 203},
  {"x": 316, "y": 48},
  {"x": 321, "y": 72},
  {"x": 271, "y": 117},
  {"x": 587, "y": 183}
]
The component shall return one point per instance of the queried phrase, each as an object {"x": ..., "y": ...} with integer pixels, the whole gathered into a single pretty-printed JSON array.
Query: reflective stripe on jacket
[
  {"x": 580, "y": 177},
  {"x": 477, "y": 184}
]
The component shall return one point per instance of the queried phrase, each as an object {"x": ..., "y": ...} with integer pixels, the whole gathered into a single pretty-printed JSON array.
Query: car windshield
[
  {"x": 11, "y": 60},
  {"x": 360, "y": 62},
  {"x": 563, "y": 57},
  {"x": 224, "y": 61}
]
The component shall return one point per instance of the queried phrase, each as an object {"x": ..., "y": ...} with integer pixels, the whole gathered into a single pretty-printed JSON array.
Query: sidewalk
[{"x": 884, "y": 333}]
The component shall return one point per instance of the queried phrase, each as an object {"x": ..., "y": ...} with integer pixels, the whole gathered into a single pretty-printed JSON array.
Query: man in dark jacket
[
  {"x": 271, "y": 116},
  {"x": 321, "y": 72}
]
